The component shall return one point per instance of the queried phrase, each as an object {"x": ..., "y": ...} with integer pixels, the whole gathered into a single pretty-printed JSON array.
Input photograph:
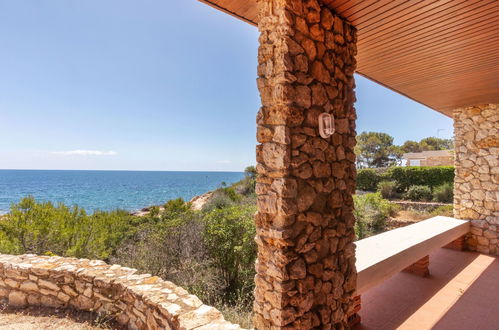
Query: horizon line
[{"x": 36, "y": 169}]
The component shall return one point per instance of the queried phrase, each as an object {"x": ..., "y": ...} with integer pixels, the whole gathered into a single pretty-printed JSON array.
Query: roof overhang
[{"x": 443, "y": 54}]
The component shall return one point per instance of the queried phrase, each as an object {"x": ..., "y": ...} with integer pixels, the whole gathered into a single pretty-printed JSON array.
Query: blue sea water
[{"x": 107, "y": 190}]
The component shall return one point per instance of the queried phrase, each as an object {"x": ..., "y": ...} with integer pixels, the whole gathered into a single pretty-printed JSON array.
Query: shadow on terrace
[{"x": 461, "y": 292}]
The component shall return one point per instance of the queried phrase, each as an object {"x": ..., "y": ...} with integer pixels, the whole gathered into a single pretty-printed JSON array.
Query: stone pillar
[
  {"x": 305, "y": 226},
  {"x": 476, "y": 185}
]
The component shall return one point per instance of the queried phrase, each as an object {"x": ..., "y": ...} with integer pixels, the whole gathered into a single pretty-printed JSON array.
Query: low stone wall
[
  {"x": 419, "y": 206},
  {"x": 137, "y": 301}
]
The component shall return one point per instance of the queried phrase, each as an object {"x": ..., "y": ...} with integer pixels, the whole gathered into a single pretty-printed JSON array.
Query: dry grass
[
  {"x": 410, "y": 216},
  {"x": 239, "y": 314},
  {"x": 49, "y": 318}
]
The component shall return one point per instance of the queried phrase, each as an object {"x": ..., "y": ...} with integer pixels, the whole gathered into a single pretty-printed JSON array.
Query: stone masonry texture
[
  {"x": 476, "y": 188},
  {"x": 306, "y": 273},
  {"x": 136, "y": 301}
]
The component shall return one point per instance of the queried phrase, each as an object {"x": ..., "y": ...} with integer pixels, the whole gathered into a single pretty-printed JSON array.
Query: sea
[{"x": 107, "y": 190}]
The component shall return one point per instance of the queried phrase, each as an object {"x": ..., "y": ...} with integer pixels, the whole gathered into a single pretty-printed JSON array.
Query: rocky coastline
[{"x": 196, "y": 203}]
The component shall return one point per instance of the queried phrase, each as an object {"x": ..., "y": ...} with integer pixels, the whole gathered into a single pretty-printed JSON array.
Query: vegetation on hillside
[
  {"x": 210, "y": 252},
  {"x": 416, "y": 183}
]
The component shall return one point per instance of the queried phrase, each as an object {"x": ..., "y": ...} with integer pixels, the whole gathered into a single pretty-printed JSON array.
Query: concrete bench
[{"x": 382, "y": 256}]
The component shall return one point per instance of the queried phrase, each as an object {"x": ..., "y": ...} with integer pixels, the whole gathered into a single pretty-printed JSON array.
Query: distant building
[{"x": 430, "y": 158}]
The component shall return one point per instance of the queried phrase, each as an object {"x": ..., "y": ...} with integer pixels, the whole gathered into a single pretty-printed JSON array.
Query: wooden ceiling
[{"x": 441, "y": 53}]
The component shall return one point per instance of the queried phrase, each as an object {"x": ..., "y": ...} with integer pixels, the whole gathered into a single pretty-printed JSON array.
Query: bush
[
  {"x": 210, "y": 254},
  {"x": 444, "y": 193},
  {"x": 444, "y": 210},
  {"x": 368, "y": 179},
  {"x": 431, "y": 176},
  {"x": 418, "y": 193},
  {"x": 388, "y": 189},
  {"x": 229, "y": 237},
  {"x": 218, "y": 200},
  {"x": 154, "y": 211},
  {"x": 38, "y": 228},
  {"x": 246, "y": 186},
  {"x": 371, "y": 213}
]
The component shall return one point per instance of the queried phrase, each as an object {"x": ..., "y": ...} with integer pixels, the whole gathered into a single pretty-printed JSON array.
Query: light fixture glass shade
[{"x": 326, "y": 125}]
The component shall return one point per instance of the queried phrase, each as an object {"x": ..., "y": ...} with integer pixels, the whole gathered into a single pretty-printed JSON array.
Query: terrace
[
  {"x": 442, "y": 54},
  {"x": 310, "y": 273}
]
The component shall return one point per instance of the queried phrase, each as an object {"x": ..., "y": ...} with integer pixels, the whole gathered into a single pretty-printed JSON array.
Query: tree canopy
[{"x": 376, "y": 149}]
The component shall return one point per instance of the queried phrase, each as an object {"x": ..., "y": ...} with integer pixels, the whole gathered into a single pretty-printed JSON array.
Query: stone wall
[
  {"x": 306, "y": 257},
  {"x": 476, "y": 190},
  {"x": 136, "y": 301},
  {"x": 438, "y": 161}
]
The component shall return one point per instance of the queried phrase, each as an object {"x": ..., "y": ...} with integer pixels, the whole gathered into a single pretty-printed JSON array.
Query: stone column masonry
[
  {"x": 476, "y": 185},
  {"x": 305, "y": 225}
]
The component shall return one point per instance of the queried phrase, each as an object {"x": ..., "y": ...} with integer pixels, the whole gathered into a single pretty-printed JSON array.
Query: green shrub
[
  {"x": 175, "y": 207},
  {"x": 418, "y": 193},
  {"x": 39, "y": 228},
  {"x": 388, "y": 189},
  {"x": 444, "y": 193},
  {"x": 154, "y": 211},
  {"x": 371, "y": 213},
  {"x": 232, "y": 194},
  {"x": 246, "y": 186},
  {"x": 444, "y": 210},
  {"x": 368, "y": 179},
  {"x": 431, "y": 176},
  {"x": 218, "y": 200},
  {"x": 229, "y": 238}
]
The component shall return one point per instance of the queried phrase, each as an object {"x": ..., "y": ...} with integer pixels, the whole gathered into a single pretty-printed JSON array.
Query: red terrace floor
[{"x": 462, "y": 292}]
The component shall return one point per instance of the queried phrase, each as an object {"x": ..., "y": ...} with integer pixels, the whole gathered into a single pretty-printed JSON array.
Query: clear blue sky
[{"x": 147, "y": 85}]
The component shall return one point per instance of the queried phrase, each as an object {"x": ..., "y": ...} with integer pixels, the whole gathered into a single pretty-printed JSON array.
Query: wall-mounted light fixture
[{"x": 326, "y": 125}]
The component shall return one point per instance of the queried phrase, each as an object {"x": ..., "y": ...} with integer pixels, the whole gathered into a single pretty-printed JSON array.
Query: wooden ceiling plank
[
  {"x": 397, "y": 14},
  {"x": 463, "y": 56},
  {"x": 426, "y": 26},
  {"x": 374, "y": 17},
  {"x": 428, "y": 71},
  {"x": 482, "y": 25},
  {"x": 459, "y": 83},
  {"x": 334, "y": 3},
  {"x": 441, "y": 71},
  {"x": 219, "y": 5},
  {"x": 367, "y": 56},
  {"x": 363, "y": 14},
  {"x": 490, "y": 97},
  {"x": 432, "y": 15},
  {"x": 459, "y": 23},
  {"x": 348, "y": 5},
  {"x": 457, "y": 79},
  {"x": 450, "y": 95},
  {"x": 414, "y": 18},
  {"x": 431, "y": 49},
  {"x": 469, "y": 61},
  {"x": 361, "y": 7}
]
